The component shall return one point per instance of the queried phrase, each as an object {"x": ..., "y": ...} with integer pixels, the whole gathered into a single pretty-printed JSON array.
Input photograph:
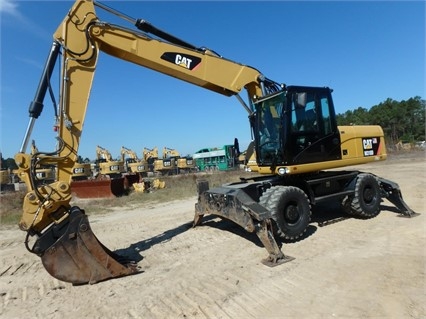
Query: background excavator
[
  {"x": 135, "y": 168},
  {"x": 107, "y": 166},
  {"x": 81, "y": 171},
  {"x": 137, "y": 172},
  {"x": 5, "y": 177},
  {"x": 106, "y": 181},
  {"x": 132, "y": 163},
  {"x": 164, "y": 166},
  {"x": 157, "y": 165},
  {"x": 182, "y": 164},
  {"x": 149, "y": 156},
  {"x": 297, "y": 142}
]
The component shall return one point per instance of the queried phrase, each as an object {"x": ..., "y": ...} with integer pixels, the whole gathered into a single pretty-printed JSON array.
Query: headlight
[{"x": 283, "y": 170}]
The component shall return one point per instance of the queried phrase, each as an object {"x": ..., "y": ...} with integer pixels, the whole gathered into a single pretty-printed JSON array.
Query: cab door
[{"x": 312, "y": 128}]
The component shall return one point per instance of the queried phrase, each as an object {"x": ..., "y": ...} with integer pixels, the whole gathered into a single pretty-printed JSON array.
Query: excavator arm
[
  {"x": 131, "y": 154},
  {"x": 79, "y": 40},
  {"x": 102, "y": 153},
  {"x": 81, "y": 37},
  {"x": 169, "y": 152}
]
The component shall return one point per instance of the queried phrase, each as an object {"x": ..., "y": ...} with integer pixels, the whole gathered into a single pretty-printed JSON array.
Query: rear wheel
[
  {"x": 290, "y": 210},
  {"x": 366, "y": 199}
]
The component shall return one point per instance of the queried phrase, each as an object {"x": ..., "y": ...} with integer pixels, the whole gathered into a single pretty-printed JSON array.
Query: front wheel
[{"x": 290, "y": 210}]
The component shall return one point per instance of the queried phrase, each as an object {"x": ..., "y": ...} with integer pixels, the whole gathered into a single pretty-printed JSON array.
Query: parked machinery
[
  {"x": 132, "y": 163},
  {"x": 183, "y": 164},
  {"x": 106, "y": 165},
  {"x": 105, "y": 180},
  {"x": 156, "y": 165},
  {"x": 150, "y": 156},
  {"x": 5, "y": 178},
  {"x": 221, "y": 158},
  {"x": 136, "y": 169},
  {"x": 81, "y": 171}
]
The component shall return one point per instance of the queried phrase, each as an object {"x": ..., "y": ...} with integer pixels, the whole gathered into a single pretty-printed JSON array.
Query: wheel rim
[
  {"x": 369, "y": 195},
  {"x": 291, "y": 214}
]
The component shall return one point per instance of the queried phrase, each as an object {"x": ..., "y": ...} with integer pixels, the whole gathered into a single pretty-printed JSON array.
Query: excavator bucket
[
  {"x": 99, "y": 188},
  {"x": 148, "y": 185},
  {"x": 130, "y": 180},
  {"x": 71, "y": 252}
]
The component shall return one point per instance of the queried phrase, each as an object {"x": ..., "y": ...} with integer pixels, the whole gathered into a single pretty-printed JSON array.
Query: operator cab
[{"x": 296, "y": 126}]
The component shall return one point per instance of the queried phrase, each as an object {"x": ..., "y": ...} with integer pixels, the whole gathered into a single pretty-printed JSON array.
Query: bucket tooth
[{"x": 71, "y": 252}]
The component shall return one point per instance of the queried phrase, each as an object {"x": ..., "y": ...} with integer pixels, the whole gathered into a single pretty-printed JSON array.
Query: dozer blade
[
  {"x": 71, "y": 252},
  {"x": 98, "y": 188}
]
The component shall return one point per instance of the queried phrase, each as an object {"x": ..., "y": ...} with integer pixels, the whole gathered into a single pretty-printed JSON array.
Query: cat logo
[
  {"x": 370, "y": 146},
  {"x": 186, "y": 61},
  {"x": 367, "y": 143},
  {"x": 183, "y": 61}
]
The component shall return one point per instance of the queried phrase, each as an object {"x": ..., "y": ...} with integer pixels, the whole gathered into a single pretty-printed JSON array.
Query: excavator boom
[{"x": 79, "y": 39}]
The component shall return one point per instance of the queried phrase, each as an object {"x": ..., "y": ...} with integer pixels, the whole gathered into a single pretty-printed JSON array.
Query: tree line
[{"x": 402, "y": 121}]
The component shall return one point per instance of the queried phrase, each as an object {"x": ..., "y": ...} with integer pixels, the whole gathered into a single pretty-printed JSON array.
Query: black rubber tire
[
  {"x": 367, "y": 197},
  {"x": 346, "y": 205},
  {"x": 290, "y": 209}
]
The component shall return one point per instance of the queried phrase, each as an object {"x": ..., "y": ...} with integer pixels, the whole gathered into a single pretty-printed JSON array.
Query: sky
[{"x": 366, "y": 51}]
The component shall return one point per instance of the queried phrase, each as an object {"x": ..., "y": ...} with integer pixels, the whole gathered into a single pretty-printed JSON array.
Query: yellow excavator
[
  {"x": 107, "y": 165},
  {"x": 5, "y": 178},
  {"x": 149, "y": 156},
  {"x": 157, "y": 165},
  {"x": 297, "y": 142},
  {"x": 81, "y": 171},
  {"x": 137, "y": 170},
  {"x": 132, "y": 163},
  {"x": 165, "y": 166},
  {"x": 104, "y": 180},
  {"x": 183, "y": 164}
]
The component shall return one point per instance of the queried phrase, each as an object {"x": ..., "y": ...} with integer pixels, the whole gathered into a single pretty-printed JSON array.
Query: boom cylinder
[{"x": 36, "y": 106}]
